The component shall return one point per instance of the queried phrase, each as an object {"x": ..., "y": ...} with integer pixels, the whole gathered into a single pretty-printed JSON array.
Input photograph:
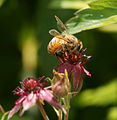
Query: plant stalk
[
  {"x": 1, "y": 108},
  {"x": 42, "y": 111},
  {"x": 3, "y": 117},
  {"x": 60, "y": 114},
  {"x": 66, "y": 115},
  {"x": 60, "y": 111},
  {"x": 67, "y": 107}
]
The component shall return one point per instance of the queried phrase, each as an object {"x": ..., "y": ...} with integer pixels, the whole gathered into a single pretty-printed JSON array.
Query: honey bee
[{"x": 63, "y": 41}]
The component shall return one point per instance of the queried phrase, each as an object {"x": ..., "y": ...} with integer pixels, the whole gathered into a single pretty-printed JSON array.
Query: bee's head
[{"x": 71, "y": 38}]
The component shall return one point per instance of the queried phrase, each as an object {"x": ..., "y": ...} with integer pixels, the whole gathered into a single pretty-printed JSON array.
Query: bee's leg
[
  {"x": 59, "y": 52},
  {"x": 78, "y": 47}
]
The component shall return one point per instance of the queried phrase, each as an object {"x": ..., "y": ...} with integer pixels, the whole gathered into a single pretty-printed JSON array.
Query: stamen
[
  {"x": 48, "y": 87},
  {"x": 82, "y": 52},
  {"x": 59, "y": 59},
  {"x": 57, "y": 65},
  {"x": 41, "y": 79},
  {"x": 18, "y": 91},
  {"x": 37, "y": 87},
  {"x": 31, "y": 88},
  {"x": 44, "y": 83},
  {"x": 40, "y": 84},
  {"x": 88, "y": 57}
]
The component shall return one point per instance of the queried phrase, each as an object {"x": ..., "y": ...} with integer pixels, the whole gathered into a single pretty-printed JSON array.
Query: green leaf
[
  {"x": 69, "y": 4},
  {"x": 90, "y": 18},
  {"x": 109, "y": 28},
  {"x": 100, "y": 4}
]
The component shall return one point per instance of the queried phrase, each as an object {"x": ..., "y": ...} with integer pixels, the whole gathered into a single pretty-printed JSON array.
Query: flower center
[
  {"x": 73, "y": 58},
  {"x": 30, "y": 84}
]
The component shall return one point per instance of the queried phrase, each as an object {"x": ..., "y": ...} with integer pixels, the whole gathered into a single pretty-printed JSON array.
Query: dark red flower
[
  {"x": 73, "y": 63},
  {"x": 31, "y": 91}
]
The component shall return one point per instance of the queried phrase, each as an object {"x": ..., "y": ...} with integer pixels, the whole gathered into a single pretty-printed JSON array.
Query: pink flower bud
[{"x": 61, "y": 85}]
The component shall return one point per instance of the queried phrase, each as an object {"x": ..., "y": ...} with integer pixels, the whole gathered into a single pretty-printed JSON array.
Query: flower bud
[{"x": 60, "y": 84}]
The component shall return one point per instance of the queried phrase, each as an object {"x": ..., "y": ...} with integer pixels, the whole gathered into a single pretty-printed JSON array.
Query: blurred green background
[{"x": 24, "y": 26}]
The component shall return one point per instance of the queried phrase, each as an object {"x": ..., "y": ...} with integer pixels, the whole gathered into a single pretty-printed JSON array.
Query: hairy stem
[{"x": 42, "y": 111}]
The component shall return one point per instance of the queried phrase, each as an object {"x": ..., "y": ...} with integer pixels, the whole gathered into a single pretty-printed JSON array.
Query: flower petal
[
  {"x": 14, "y": 110},
  {"x": 29, "y": 102},
  {"x": 87, "y": 72},
  {"x": 20, "y": 100},
  {"x": 77, "y": 73},
  {"x": 66, "y": 66},
  {"x": 48, "y": 96}
]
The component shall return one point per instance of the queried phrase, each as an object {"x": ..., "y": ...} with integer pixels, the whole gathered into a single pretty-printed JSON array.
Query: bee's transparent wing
[
  {"x": 54, "y": 32},
  {"x": 60, "y": 25}
]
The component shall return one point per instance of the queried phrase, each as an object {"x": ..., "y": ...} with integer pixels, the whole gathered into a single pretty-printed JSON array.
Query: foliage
[
  {"x": 69, "y": 4},
  {"x": 15, "y": 117},
  {"x": 101, "y": 4},
  {"x": 100, "y": 13},
  {"x": 99, "y": 96},
  {"x": 112, "y": 114}
]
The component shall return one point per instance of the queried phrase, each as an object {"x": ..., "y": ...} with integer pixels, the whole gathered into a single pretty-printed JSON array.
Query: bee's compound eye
[
  {"x": 78, "y": 47},
  {"x": 72, "y": 38}
]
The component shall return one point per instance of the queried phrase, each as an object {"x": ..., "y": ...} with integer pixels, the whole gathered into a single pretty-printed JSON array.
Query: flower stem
[
  {"x": 67, "y": 106},
  {"x": 60, "y": 114},
  {"x": 3, "y": 117},
  {"x": 60, "y": 111},
  {"x": 66, "y": 115},
  {"x": 42, "y": 111},
  {"x": 1, "y": 108}
]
